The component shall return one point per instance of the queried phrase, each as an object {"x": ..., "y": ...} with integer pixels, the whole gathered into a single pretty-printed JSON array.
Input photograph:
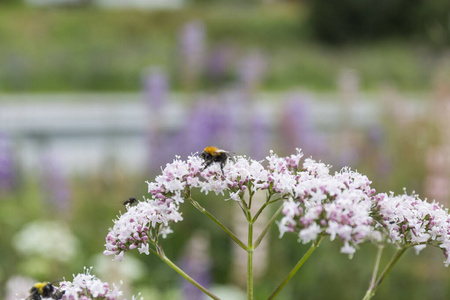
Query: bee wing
[
  {"x": 229, "y": 153},
  {"x": 56, "y": 281}
]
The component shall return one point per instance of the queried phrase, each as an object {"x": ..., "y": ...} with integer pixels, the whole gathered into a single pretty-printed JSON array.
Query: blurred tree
[
  {"x": 344, "y": 21},
  {"x": 437, "y": 21}
]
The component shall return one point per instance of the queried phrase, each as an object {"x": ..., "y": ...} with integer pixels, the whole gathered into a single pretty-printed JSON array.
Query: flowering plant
[
  {"x": 84, "y": 286},
  {"x": 312, "y": 202}
]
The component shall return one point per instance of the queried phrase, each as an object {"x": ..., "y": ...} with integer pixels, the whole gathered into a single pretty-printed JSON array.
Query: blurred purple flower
[
  {"x": 220, "y": 62},
  {"x": 209, "y": 123},
  {"x": 192, "y": 40},
  {"x": 252, "y": 69},
  {"x": 377, "y": 141},
  {"x": 156, "y": 88},
  {"x": 196, "y": 262},
  {"x": 376, "y": 135},
  {"x": 297, "y": 126},
  {"x": 163, "y": 146},
  {"x": 7, "y": 167},
  {"x": 156, "y": 95},
  {"x": 233, "y": 104},
  {"x": 349, "y": 153},
  {"x": 261, "y": 134},
  {"x": 54, "y": 182},
  {"x": 192, "y": 51}
]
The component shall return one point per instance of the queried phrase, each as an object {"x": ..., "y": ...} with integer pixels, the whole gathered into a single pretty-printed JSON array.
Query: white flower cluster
[
  {"x": 143, "y": 223},
  {"x": 86, "y": 286},
  {"x": 337, "y": 205},
  {"x": 131, "y": 230},
  {"x": 139, "y": 226},
  {"x": 316, "y": 203},
  {"x": 408, "y": 220}
]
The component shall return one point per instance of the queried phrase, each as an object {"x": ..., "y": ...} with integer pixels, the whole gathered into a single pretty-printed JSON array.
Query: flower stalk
[
  {"x": 297, "y": 267},
  {"x": 221, "y": 225},
  {"x": 375, "y": 268},
  {"x": 250, "y": 250},
  {"x": 266, "y": 229},
  {"x": 188, "y": 278},
  {"x": 375, "y": 284}
]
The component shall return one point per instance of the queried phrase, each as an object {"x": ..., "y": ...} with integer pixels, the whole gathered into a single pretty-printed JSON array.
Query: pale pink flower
[{"x": 409, "y": 221}]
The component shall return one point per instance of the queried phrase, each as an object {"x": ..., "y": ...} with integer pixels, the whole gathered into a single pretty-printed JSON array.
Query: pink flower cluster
[
  {"x": 324, "y": 204},
  {"x": 131, "y": 230},
  {"x": 316, "y": 203},
  {"x": 410, "y": 221},
  {"x": 141, "y": 224},
  {"x": 86, "y": 286}
]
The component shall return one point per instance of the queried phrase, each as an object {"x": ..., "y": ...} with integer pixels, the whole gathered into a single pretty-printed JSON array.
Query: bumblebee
[
  {"x": 212, "y": 154},
  {"x": 131, "y": 201},
  {"x": 44, "y": 290}
]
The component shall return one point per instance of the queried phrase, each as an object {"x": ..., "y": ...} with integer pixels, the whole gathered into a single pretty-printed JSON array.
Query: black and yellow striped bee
[
  {"x": 44, "y": 290},
  {"x": 212, "y": 154}
]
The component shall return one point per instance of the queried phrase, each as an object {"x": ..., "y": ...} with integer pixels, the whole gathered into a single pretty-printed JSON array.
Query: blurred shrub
[{"x": 345, "y": 21}]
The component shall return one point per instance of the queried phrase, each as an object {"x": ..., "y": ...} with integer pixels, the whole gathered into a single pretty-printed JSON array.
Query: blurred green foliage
[
  {"x": 6, "y": 3},
  {"x": 88, "y": 49}
]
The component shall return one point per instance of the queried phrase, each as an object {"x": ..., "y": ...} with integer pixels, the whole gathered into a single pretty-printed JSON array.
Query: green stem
[
  {"x": 250, "y": 262},
  {"x": 266, "y": 229},
  {"x": 250, "y": 193},
  {"x": 297, "y": 267},
  {"x": 371, "y": 291},
  {"x": 188, "y": 278},
  {"x": 275, "y": 200},
  {"x": 244, "y": 204},
  {"x": 246, "y": 208},
  {"x": 153, "y": 251},
  {"x": 374, "y": 272},
  {"x": 259, "y": 211},
  {"x": 230, "y": 233}
]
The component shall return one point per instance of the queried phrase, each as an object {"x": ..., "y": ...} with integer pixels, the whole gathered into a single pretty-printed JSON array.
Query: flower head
[
  {"x": 410, "y": 221},
  {"x": 336, "y": 205},
  {"x": 87, "y": 286},
  {"x": 316, "y": 203},
  {"x": 131, "y": 230}
]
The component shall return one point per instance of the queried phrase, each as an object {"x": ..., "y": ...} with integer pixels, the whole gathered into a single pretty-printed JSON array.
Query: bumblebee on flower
[
  {"x": 45, "y": 290},
  {"x": 212, "y": 154}
]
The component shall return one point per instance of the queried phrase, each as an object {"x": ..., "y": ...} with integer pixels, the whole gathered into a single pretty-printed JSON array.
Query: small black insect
[{"x": 130, "y": 201}]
